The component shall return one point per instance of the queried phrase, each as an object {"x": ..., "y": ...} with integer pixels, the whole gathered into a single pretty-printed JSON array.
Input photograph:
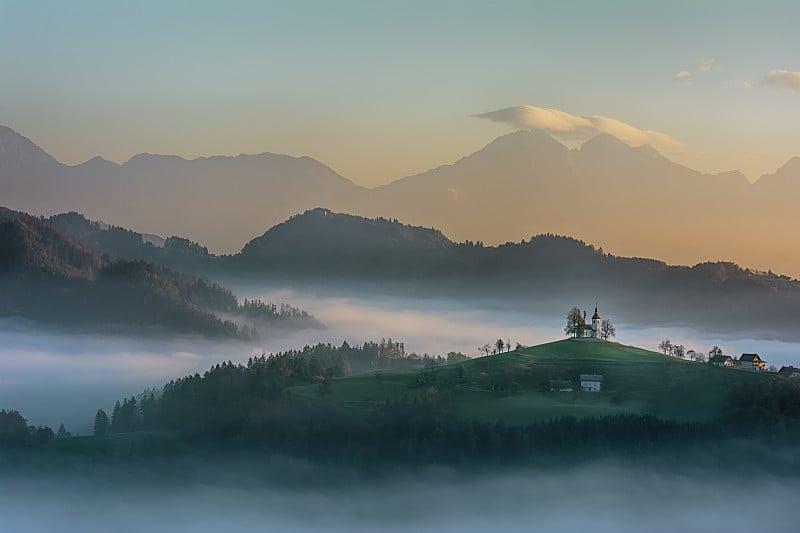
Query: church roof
[{"x": 595, "y": 316}]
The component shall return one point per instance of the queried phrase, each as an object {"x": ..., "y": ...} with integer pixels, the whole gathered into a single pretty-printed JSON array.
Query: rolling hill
[
  {"x": 515, "y": 386},
  {"x": 48, "y": 278},
  {"x": 348, "y": 254}
]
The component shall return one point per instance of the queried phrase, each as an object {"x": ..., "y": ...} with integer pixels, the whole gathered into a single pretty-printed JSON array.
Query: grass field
[{"x": 515, "y": 386}]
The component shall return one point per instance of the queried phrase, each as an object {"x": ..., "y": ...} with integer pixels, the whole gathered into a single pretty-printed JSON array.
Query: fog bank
[
  {"x": 54, "y": 377},
  {"x": 594, "y": 497}
]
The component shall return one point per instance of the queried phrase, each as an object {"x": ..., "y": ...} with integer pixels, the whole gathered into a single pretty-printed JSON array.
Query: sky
[{"x": 381, "y": 90}]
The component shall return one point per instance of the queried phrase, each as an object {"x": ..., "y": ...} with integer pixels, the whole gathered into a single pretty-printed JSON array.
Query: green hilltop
[{"x": 515, "y": 386}]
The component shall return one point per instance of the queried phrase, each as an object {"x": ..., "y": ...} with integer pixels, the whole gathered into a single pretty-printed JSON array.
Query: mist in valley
[
  {"x": 279, "y": 495},
  {"x": 53, "y": 377}
]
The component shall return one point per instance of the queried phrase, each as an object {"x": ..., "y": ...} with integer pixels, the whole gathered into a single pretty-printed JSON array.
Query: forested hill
[
  {"x": 326, "y": 242},
  {"x": 538, "y": 273},
  {"x": 122, "y": 243},
  {"x": 322, "y": 242},
  {"x": 334, "y": 249},
  {"x": 48, "y": 277}
]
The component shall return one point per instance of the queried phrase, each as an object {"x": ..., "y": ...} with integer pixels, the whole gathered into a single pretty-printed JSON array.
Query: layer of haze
[
  {"x": 387, "y": 89},
  {"x": 53, "y": 378},
  {"x": 601, "y": 497}
]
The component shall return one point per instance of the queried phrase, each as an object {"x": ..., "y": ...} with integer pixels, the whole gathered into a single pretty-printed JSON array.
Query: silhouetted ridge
[
  {"x": 343, "y": 241},
  {"x": 46, "y": 276},
  {"x": 18, "y": 153}
]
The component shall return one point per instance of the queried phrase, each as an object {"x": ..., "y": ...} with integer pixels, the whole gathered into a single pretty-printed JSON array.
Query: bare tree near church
[
  {"x": 607, "y": 330},
  {"x": 574, "y": 322}
]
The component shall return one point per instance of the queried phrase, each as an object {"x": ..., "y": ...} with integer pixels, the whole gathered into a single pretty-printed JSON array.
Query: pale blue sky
[{"x": 379, "y": 90}]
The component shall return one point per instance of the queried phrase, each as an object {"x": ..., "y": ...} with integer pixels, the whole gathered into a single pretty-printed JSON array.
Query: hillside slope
[
  {"x": 515, "y": 386},
  {"x": 47, "y": 277}
]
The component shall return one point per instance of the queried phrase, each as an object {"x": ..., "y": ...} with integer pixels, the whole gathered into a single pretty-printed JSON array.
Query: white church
[{"x": 591, "y": 331}]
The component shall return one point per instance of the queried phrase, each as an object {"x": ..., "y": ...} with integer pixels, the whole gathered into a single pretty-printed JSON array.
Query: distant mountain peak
[
  {"x": 792, "y": 165},
  {"x": 16, "y": 150},
  {"x": 605, "y": 142},
  {"x": 526, "y": 139},
  {"x": 787, "y": 174}
]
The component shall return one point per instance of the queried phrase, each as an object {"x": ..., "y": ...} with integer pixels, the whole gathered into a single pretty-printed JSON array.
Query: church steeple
[{"x": 596, "y": 323}]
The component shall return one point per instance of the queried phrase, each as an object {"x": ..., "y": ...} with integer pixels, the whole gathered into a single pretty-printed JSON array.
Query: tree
[
  {"x": 62, "y": 432},
  {"x": 700, "y": 357},
  {"x": 679, "y": 350},
  {"x": 713, "y": 352},
  {"x": 13, "y": 429},
  {"x": 500, "y": 344},
  {"x": 665, "y": 346},
  {"x": 607, "y": 330},
  {"x": 100, "y": 422},
  {"x": 574, "y": 322},
  {"x": 455, "y": 357}
]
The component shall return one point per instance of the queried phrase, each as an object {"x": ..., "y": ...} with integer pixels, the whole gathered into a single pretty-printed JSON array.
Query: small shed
[{"x": 591, "y": 382}]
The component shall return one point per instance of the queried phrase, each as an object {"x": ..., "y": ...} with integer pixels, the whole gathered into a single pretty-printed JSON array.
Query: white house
[{"x": 591, "y": 382}]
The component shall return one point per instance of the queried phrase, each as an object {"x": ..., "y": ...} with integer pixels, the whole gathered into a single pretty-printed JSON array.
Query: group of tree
[
  {"x": 496, "y": 347},
  {"x": 681, "y": 352},
  {"x": 16, "y": 433},
  {"x": 231, "y": 392}
]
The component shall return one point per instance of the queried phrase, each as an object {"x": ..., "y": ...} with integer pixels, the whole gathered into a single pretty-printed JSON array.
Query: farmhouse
[
  {"x": 789, "y": 372},
  {"x": 751, "y": 362},
  {"x": 722, "y": 360},
  {"x": 591, "y": 382}
]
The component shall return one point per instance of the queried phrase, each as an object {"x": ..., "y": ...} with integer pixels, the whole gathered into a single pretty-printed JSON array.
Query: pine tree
[{"x": 101, "y": 422}]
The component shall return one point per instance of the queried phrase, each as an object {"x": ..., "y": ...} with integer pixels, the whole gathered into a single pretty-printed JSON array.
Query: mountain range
[{"x": 631, "y": 200}]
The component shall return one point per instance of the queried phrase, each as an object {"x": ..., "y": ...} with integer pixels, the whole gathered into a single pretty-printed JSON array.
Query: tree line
[
  {"x": 16, "y": 433},
  {"x": 231, "y": 392}
]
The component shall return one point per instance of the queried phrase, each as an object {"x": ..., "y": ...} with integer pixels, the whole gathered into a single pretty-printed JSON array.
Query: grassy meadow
[{"x": 515, "y": 386}]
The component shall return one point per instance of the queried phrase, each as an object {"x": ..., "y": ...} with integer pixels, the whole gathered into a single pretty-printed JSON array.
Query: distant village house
[
  {"x": 591, "y": 382},
  {"x": 789, "y": 372},
  {"x": 752, "y": 362},
  {"x": 722, "y": 360}
]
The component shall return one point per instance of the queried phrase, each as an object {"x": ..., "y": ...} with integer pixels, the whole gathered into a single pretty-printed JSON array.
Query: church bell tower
[{"x": 596, "y": 324}]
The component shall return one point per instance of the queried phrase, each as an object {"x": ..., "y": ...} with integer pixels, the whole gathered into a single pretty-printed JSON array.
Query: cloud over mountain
[
  {"x": 566, "y": 126},
  {"x": 782, "y": 79}
]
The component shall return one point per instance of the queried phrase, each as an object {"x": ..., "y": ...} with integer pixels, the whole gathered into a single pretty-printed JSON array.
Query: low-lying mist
[
  {"x": 53, "y": 377},
  {"x": 599, "y": 496}
]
